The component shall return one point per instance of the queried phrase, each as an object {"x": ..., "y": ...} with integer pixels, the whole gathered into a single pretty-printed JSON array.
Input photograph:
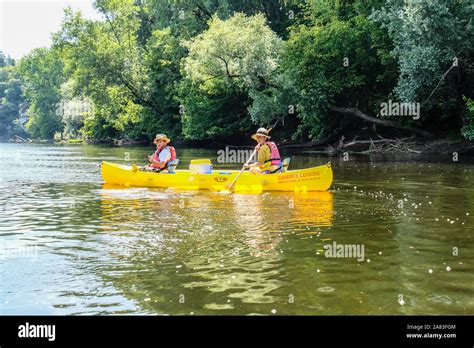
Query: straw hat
[
  {"x": 262, "y": 132},
  {"x": 162, "y": 137}
]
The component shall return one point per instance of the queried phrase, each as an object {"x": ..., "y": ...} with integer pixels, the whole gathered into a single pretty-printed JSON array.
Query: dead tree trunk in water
[{"x": 379, "y": 121}]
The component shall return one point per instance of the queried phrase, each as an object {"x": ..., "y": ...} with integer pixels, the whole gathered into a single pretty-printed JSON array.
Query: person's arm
[
  {"x": 157, "y": 164},
  {"x": 263, "y": 155},
  {"x": 163, "y": 158}
]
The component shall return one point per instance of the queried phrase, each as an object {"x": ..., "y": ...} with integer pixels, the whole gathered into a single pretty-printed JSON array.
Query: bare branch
[{"x": 381, "y": 122}]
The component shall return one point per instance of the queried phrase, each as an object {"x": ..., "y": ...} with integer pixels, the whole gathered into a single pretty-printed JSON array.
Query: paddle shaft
[
  {"x": 242, "y": 170},
  {"x": 246, "y": 163}
]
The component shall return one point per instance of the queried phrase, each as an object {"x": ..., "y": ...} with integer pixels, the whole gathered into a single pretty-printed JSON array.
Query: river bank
[
  {"x": 341, "y": 147},
  {"x": 387, "y": 146}
]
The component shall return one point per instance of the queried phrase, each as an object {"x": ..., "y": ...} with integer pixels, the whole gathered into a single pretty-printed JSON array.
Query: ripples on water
[{"x": 70, "y": 245}]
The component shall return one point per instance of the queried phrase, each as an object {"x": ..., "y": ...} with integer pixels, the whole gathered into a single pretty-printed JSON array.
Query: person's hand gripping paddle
[{"x": 230, "y": 187}]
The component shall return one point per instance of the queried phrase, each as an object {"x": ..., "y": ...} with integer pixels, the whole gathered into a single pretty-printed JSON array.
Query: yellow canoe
[{"x": 301, "y": 180}]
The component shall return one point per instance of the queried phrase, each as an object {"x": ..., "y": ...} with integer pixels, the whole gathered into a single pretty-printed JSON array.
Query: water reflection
[{"x": 214, "y": 250}]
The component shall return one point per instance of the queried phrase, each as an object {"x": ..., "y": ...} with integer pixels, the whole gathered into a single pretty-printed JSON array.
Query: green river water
[{"x": 69, "y": 245}]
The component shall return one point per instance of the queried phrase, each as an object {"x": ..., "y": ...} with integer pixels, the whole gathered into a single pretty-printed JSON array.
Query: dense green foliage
[
  {"x": 11, "y": 99},
  {"x": 215, "y": 70},
  {"x": 468, "y": 129},
  {"x": 337, "y": 56},
  {"x": 42, "y": 75},
  {"x": 430, "y": 40},
  {"x": 223, "y": 64}
]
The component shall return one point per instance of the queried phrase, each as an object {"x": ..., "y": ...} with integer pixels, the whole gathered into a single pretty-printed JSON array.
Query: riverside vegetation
[{"x": 202, "y": 70}]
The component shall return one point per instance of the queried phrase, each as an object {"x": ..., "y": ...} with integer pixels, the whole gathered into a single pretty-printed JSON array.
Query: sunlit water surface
[{"x": 69, "y": 245}]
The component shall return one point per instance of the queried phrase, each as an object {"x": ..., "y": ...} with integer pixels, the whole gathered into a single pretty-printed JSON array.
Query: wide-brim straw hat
[
  {"x": 161, "y": 137},
  {"x": 261, "y": 132}
]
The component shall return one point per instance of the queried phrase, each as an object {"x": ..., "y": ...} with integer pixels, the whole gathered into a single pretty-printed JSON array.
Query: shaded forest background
[{"x": 208, "y": 70}]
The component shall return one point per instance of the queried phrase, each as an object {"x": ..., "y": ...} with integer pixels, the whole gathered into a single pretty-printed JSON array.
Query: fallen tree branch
[
  {"x": 381, "y": 145},
  {"x": 414, "y": 151},
  {"x": 379, "y": 121},
  {"x": 361, "y": 142}
]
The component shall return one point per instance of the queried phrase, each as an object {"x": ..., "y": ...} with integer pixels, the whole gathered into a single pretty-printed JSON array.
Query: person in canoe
[
  {"x": 268, "y": 156},
  {"x": 163, "y": 155}
]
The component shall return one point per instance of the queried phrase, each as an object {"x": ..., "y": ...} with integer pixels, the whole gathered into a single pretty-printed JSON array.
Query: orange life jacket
[
  {"x": 275, "y": 159},
  {"x": 172, "y": 152}
]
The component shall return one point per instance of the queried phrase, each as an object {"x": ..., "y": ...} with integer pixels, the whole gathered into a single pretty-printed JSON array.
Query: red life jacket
[
  {"x": 275, "y": 159},
  {"x": 172, "y": 152}
]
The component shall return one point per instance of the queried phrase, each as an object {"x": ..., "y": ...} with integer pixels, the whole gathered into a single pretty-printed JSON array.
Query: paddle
[
  {"x": 136, "y": 168},
  {"x": 231, "y": 186}
]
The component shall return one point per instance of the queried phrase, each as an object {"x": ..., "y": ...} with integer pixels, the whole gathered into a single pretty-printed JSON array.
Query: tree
[
  {"x": 336, "y": 56},
  {"x": 73, "y": 111},
  {"x": 126, "y": 68},
  {"x": 433, "y": 48},
  {"x": 225, "y": 63},
  {"x": 188, "y": 18},
  {"x": 105, "y": 64},
  {"x": 163, "y": 57},
  {"x": 11, "y": 98},
  {"x": 42, "y": 75},
  {"x": 129, "y": 64},
  {"x": 6, "y": 60},
  {"x": 243, "y": 49},
  {"x": 468, "y": 128},
  {"x": 11, "y": 101}
]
